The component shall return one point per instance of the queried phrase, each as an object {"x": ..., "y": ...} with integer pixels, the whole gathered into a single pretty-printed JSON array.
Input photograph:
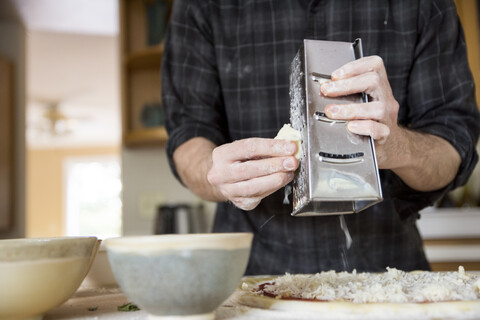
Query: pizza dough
[
  {"x": 288, "y": 133},
  {"x": 391, "y": 295}
]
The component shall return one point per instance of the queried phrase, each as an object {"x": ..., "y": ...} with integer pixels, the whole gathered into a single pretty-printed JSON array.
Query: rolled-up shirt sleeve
[
  {"x": 441, "y": 91},
  {"x": 191, "y": 94}
]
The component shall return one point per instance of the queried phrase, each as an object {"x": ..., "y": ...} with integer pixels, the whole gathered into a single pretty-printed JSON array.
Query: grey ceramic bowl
[
  {"x": 39, "y": 274},
  {"x": 180, "y": 276}
]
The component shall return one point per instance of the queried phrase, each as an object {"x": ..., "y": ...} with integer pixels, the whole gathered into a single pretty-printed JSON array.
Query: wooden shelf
[
  {"x": 146, "y": 137},
  {"x": 146, "y": 58},
  {"x": 140, "y": 77}
]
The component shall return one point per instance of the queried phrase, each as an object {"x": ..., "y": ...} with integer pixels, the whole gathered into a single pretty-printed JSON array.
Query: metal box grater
[{"x": 338, "y": 171}]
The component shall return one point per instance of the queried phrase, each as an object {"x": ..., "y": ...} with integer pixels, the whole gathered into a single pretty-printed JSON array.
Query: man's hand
[
  {"x": 248, "y": 170},
  {"x": 377, "y": 118},
  {"x": 425, "y": 162},
  {"x": 243, "y": 172}
]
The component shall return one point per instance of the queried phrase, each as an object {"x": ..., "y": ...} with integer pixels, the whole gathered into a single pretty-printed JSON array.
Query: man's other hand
[{"x": 246, "y": 171}]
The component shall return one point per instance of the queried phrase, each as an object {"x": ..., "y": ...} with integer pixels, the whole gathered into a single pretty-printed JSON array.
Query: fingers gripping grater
[{"x": 338, "y": 172}]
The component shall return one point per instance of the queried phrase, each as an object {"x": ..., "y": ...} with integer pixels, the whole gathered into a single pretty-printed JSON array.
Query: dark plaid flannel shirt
[{"x": 225, "y": 76}]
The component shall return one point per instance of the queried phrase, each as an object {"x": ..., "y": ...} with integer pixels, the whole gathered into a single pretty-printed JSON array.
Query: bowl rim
[
  {"x": 159, "y": 242},
  {"x": 43, "y": 240},
  {"x": 47, "y": 248}
]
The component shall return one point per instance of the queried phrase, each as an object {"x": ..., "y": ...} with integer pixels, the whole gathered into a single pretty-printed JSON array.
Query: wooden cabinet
[
  {"x": 142, "y": 24},
  {"x": 468, "y": 12},
  {"x": 6, "y": 144},
  {"x": 450, "y": 253}
]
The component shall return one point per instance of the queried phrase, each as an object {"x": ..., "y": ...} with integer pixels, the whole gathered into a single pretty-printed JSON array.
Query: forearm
[
  {"x": 193, "y": 160},
  {"x": 425, "y": 162}
]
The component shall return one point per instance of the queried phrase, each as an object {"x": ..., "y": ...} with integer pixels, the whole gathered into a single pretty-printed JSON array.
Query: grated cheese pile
[{"x": 392, "y": 286}]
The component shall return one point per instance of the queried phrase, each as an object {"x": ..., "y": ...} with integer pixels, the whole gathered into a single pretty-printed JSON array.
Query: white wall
[
  {"x": 148, "y": 181},
  {"x": 79, "y": 73},
  {"x": 12, "y": 46}
]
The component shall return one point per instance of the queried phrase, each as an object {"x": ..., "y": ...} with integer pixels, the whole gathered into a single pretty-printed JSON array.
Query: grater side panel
[
  {"x": 332, "y": 180},
  {"x": 338, "y": 171},
  {"x": 298, "y": 118}
]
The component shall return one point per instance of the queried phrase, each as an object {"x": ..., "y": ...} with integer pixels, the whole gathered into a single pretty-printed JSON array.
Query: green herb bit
[{"x": 127, "y": 307}]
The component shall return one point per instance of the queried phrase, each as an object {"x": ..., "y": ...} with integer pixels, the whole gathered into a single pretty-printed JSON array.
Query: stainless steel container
[{"x": 338, "y": 171}]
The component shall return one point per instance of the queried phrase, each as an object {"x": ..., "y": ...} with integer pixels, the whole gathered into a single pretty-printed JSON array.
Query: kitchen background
[{"x": 82, "y": 143}]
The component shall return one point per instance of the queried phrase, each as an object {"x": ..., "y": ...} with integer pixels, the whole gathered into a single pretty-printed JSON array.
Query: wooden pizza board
[{"x": 244, "y": 305}]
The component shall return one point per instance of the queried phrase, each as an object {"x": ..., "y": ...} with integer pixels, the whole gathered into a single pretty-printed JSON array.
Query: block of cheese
[{"x": 288, "y": 133}]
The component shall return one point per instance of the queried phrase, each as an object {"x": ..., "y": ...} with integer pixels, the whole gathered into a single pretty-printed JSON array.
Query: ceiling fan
[{"x": 53, "y": 119}]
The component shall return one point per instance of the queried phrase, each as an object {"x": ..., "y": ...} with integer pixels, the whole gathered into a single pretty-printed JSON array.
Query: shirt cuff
[{"x": 467, "y": 152}]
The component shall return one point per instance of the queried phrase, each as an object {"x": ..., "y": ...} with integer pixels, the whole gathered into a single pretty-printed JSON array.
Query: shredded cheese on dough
[{"x": 394, "y": 286}]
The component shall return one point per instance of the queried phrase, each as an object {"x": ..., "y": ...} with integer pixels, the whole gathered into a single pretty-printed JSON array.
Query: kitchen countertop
[
  {"x": 453, "y": 253},
  {"x": 94, "y": 303},
  {"x": 448, "y": 223},
  {"x": 451, "y": 225},
  {"x": 90, "y": 303},
  {"x": 100, "y": 303}
]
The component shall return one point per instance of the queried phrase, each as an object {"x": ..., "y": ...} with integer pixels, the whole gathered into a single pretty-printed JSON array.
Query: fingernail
[
  {"x": 333, "y": 110},
  {"x": 289, "y": 164},
  {"x": 338, "y": 73},
  {"x": 352, "y": 126},
  {"x": 325, "y": 87},
  {"x": 291, "y": 148}
]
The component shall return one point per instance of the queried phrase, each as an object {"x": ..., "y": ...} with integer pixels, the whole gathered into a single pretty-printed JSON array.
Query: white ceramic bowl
[
  {"x": 179, "y": 276},
  {"x": 100, "y": 274},
  {"x": 39, "y": 274}
]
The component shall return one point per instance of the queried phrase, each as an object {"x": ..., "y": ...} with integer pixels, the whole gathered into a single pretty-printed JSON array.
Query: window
[{"x": 93, "y": 202}]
